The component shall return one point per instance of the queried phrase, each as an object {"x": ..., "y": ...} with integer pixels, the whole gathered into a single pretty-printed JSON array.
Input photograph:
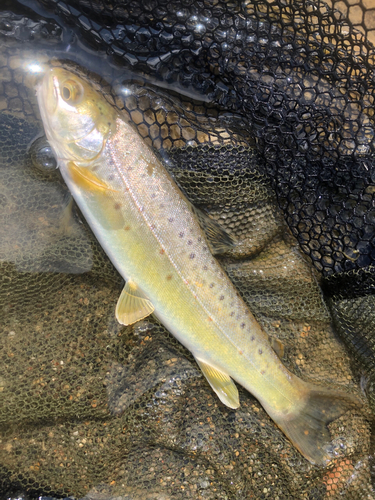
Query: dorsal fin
[{"x": 217, "y": 238}]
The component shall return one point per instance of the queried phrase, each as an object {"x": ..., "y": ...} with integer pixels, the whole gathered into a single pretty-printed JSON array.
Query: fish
[{"x": 156, "y": 240}]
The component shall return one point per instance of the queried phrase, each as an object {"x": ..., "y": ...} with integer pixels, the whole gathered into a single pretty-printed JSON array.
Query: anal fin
[
  {"x": 132, "y": 305},
  {"x": 221, "y": 383}
]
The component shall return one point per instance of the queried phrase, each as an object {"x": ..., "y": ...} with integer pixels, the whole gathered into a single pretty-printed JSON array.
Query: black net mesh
[{"x": 263, "y": 112}]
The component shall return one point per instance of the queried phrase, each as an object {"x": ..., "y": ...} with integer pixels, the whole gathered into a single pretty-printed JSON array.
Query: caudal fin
[{"x": 308, "y": 431}]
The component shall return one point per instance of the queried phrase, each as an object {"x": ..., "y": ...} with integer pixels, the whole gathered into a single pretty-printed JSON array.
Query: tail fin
[{"x": 308, "y": 430}]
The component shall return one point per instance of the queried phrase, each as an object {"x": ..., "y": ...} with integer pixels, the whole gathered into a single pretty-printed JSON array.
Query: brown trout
[{"x": 153, "y": 236}]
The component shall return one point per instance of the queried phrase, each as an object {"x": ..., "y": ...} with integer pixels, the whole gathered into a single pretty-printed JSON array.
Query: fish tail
[{"x": 308, "y": 430}]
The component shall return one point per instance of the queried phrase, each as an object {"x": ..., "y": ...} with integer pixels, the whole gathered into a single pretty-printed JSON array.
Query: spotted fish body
[{"x": 151, "y": 233}]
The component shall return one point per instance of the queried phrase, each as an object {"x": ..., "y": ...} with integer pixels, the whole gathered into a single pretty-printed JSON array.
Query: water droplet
[{"x": 42, "y": 156}]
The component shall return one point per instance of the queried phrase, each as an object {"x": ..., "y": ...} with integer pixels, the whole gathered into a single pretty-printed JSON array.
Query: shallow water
[{"x": 93, "y": 409}]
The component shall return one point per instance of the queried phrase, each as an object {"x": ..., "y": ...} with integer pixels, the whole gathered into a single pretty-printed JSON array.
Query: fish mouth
[
  {"x": 48, "y": 93},
  {"x": 48, "y": 101}
]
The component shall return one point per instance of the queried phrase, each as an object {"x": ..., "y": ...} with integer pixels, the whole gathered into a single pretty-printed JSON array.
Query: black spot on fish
[
  {"x": 221, "y": 297},
  {"x": 190, "y": 242},
  {"x": 181, "y": 235},
  {"x": 205, "y": 268},
  {"x": 110, "y": 177},
  {"x": 232, "y": 314},
  {"x": 192, "y": 255},
  {"x": 204, "y": 249},
  {"x": 260, "y": 351},
  {"x": 252, "y": 338},
  {"x": 199, "y": 239},
  {"x": 153, "y": 195},
  {"x": 242, "y": 325},
  {"x": 212, "y": 285},
  {"x": 171, "y": 219}
]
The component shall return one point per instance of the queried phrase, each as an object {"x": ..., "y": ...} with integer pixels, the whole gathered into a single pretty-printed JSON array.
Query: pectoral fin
[
  {"x": 108, "y": 212},
  {"x": 221, "y": 383},
  {"x": 132, "y": 305},
  {"x": 218, "y": 240},
  {"x": 84, "y": 178}
]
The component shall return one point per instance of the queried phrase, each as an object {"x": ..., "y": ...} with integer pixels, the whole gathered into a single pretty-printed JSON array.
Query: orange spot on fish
[
  {"x": 117, "y": 206},
  {"x": 162, "y": 251},
  {"x": 169, "y": 277},
  {"x": 126, "y": 228}
]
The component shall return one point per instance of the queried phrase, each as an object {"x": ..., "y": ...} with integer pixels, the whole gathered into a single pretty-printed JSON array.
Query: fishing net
[{"x": 263, "y": 113}]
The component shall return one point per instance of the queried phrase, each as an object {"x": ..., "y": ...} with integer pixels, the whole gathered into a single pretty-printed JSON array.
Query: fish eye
[{"x": 72, "y": 92}]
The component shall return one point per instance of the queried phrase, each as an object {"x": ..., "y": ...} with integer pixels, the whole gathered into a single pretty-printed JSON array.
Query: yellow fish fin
[
  {"x": 132, "y": 305},
  {"x": 108, "y": 213},
  {"x": 218, "y": 239},
  {"x": 307, "y": 428},
  {"x": 84, "y": 178},
  {"x": 221, "y": 383}
]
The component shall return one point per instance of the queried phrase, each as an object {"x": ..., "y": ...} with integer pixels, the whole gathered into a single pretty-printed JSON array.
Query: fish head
[{"x": 77, "y": 119}]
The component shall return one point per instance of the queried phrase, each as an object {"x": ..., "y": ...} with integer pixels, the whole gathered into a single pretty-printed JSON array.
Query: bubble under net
[{"x": 263, "y": 112}]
